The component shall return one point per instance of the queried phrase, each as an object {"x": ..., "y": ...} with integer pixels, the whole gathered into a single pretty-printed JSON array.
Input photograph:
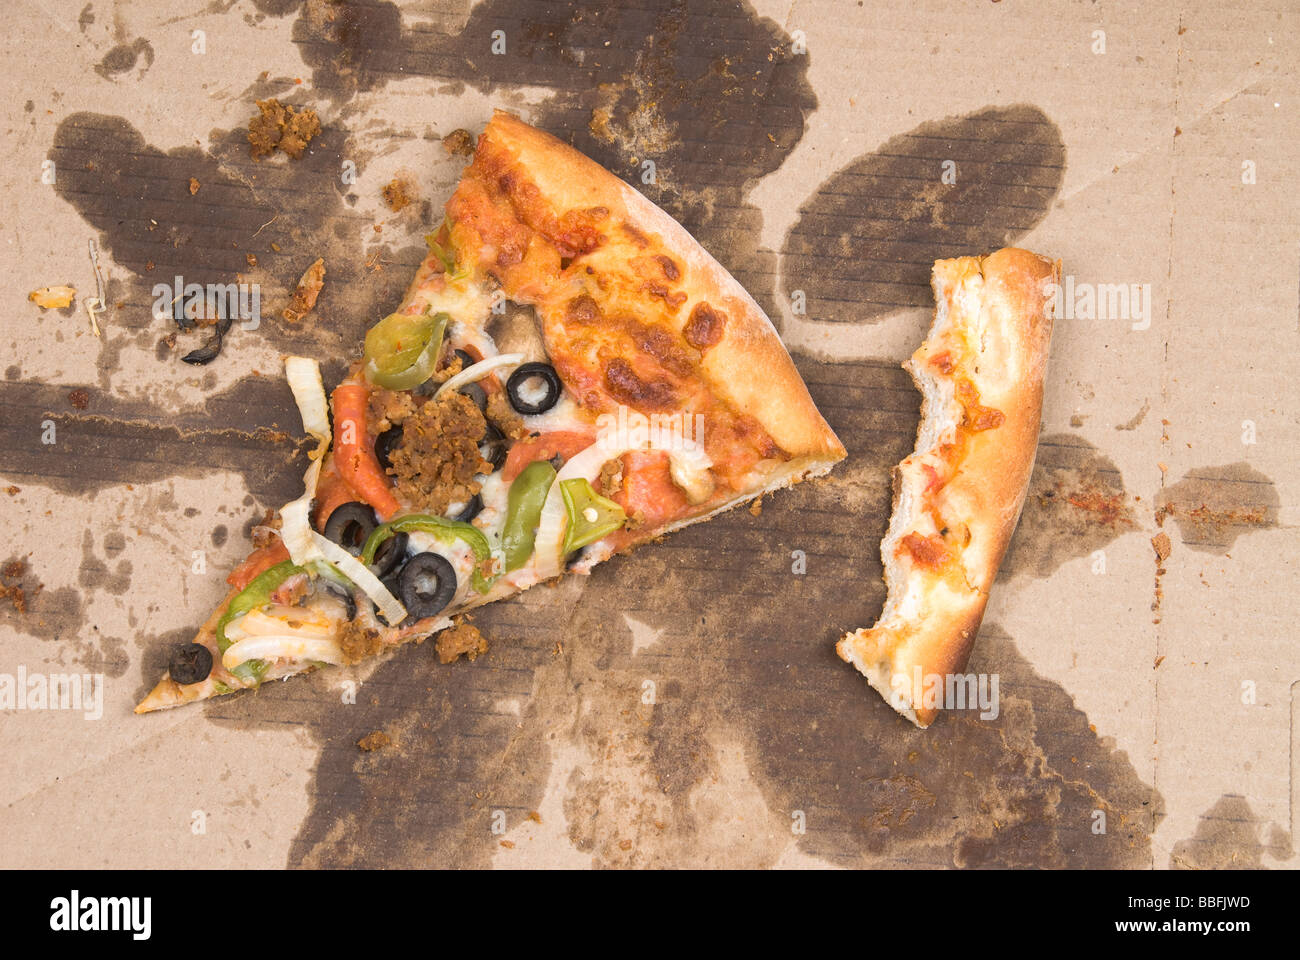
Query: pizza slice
[
  {"x": 957, "y": 498},
  {"x": 569, "y": 376}
]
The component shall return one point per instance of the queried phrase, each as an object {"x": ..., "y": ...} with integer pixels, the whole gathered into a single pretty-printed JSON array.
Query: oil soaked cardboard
[{"x": 683, "y": 706}]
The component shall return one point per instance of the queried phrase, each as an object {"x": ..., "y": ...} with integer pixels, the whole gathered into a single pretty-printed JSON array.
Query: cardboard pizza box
[{"x": 683, "y": 706}]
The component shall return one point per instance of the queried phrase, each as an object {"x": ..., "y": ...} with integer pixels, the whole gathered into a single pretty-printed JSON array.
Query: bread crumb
[
  {"x": 508, "y": 844},
  {"x": 1159, "y": 660},
  {"x": 1163, "y": 546},
  {"x": 12, "y": 490},
  {"x": 756, "y": 508},
  {"x": 305, "y": 294},
  {"x": 534, "y": 816},
  {"x": 194, "y": 186},
  {"x": 79, "y": 399}
]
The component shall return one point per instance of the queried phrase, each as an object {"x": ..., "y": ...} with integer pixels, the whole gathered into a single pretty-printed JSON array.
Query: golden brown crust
[
  {"x": 569, "y": 196},
  {"x": 965, "y": 484}
]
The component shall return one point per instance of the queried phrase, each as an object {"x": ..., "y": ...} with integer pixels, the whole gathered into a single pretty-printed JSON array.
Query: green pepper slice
[
  {"x": 445, "y": 253},
  {"x": 402, "y": 349},
  {"x": 591, "y": 516},
  {"x": 523, "y": 510},
  {"x": 444, "y": 530},
  {"x": 256, "y": 594}
]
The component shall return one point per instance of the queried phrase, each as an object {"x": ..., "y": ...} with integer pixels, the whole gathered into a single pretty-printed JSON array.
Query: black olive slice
[
  {"x": 427, "y": 584},
  {"x": 530, "y": 374},
  {"x": 470, "y": 510},
  {"x": 390, "y": 555},
  {"x": 477, "y": 394},
  {"x": 465, "y": 359},
  {"x": 344, "y": 594},
  {"x": 349, "y": 526},
  {"x": 190, "y": 663},
  {"x": 385, "y": 443},
  {"x": 493, "y": 447}
]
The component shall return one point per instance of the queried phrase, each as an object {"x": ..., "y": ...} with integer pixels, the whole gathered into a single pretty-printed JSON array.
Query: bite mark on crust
[{"x": 957, "y": 497}]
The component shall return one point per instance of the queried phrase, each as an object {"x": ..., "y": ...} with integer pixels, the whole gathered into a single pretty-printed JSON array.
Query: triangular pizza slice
[{"x": 477, "y": 448}]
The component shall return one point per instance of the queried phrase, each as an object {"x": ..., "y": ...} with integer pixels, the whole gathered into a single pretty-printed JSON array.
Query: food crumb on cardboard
[
  {"x": 625, "y": 844},
  {"x": 463, "y": 638},
  {"x": 79, "y": 399},
  {"x": 508, "y": 844},
  {"x": 458, "y": 143},
  {"x": 52, "y": 297},
  {"x": 377, "y": 740},
  {"x": 534, "y": 816},
  {"x": 756, "y": 508},
  {"x": 1076, "y": 420},
  {"x": 1159, "y": 660},
  {"x": 599, "y": 124},
  {"x": 304, "y": 296},
  {"x": 13, "y": 490},
  {"x": 250, "y": 259},
  {"x": 281, "y": 127},
  {"x": 13, "y": 591},
  {"x": 1163, "y": 546},
  {"x": 398, "y": 193},
  {"x": 194, "y": 186}
]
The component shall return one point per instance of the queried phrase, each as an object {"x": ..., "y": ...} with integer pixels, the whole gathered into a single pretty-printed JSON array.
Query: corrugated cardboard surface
[{"x": 804, "y": 144}]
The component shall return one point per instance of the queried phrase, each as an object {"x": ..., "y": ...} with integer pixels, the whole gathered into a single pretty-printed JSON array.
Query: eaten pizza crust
[{"x": 957, "y": 498}]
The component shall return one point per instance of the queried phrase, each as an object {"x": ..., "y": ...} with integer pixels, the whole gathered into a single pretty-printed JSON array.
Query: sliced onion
[
  {"x": 477, "y": 371},
  {"x": 303, "y": 374},
  {"x": 359, "y": 574},
  {"x": 276, "y": 646},
  {"x": 295, "y": 520},
  {"x": 550, "y": 528},
  {"x": 549, "y": 550}
]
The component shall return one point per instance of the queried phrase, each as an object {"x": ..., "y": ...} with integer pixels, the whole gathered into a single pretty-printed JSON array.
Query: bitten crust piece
[{"x": 958, "y": 496}]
